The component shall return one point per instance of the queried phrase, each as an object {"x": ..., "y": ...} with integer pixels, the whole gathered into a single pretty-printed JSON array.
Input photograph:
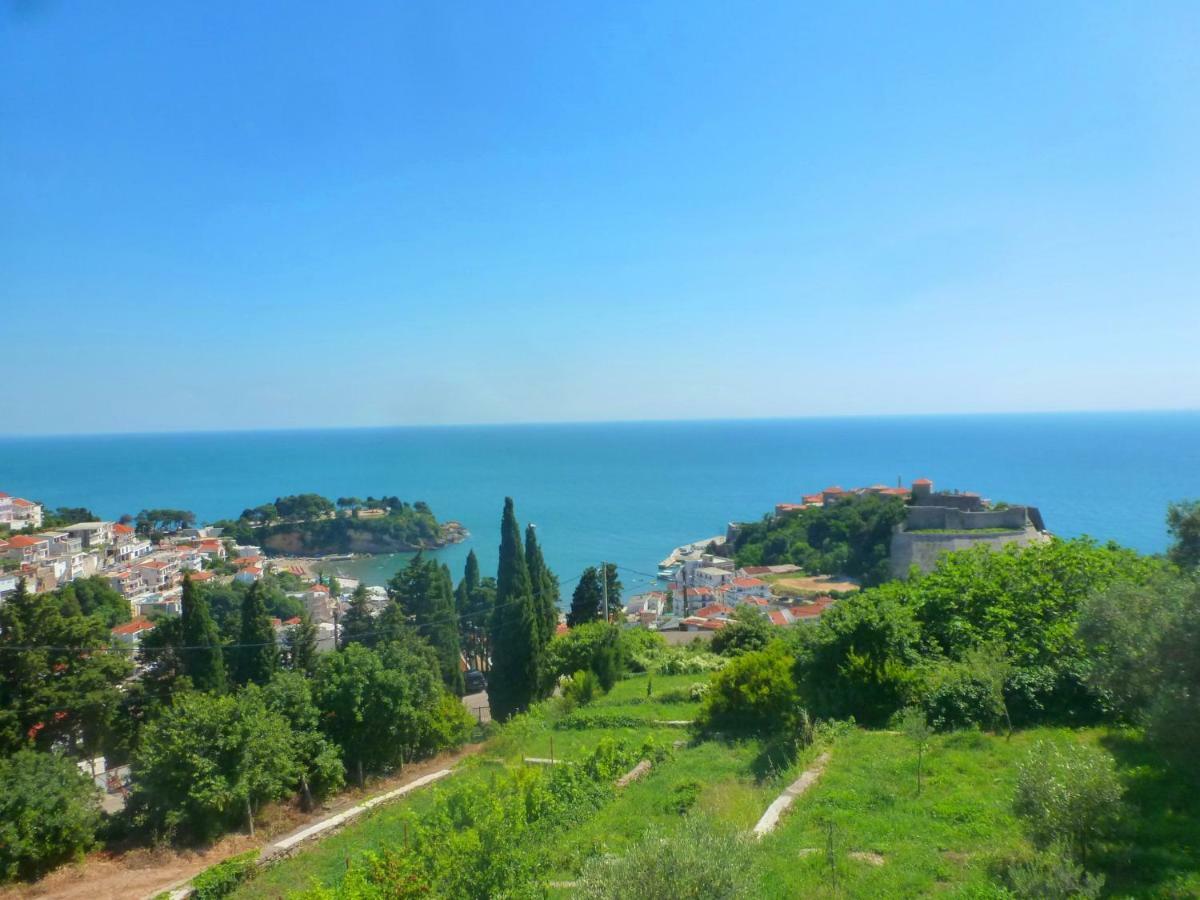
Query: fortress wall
[
  {"x": 921, "y": 517},
  {"x": 923, "y": 550}
]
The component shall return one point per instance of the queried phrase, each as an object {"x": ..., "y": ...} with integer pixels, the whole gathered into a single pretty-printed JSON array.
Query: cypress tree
[
  {"x": 257, "y": 655},
  {"x": 357, "y": 626},
  {"x": 203, "y": 660},
  {"x": 466, "y": 589},
  {"x": 514, "y": 628},
  {"x": 302, "y": 646},
  {"x": 545, "y": 587},
  {"x": 588, "y": 600}
]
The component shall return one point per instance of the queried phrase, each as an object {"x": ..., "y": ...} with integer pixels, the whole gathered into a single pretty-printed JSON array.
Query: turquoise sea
[{"x": 630, "y": 492}]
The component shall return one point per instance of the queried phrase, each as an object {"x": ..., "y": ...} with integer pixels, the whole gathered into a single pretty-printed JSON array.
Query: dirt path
[{"x": 144, "y": 873}]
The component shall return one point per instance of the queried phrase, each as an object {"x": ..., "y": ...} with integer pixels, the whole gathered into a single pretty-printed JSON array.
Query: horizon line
[{"x": 292, "y": 429}]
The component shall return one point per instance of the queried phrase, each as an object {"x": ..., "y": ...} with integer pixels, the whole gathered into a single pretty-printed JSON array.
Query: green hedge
[{"x": 222, "y": 879}]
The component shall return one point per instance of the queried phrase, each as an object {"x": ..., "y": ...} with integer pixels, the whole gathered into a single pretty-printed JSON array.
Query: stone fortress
[{"x": 943, "y": 521}]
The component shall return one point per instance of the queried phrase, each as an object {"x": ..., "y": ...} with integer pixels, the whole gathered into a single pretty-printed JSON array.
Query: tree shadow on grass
[{"x": 1158, "y": 853}]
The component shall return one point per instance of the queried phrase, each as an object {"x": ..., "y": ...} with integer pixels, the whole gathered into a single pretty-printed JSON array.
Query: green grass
[{"x": 947, "y": 841}]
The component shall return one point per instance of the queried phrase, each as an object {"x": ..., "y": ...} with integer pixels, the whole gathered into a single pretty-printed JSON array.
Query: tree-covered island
[{"x": 312, "y": 525}]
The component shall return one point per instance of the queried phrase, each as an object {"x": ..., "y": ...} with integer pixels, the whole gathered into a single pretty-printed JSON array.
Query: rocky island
[{"x": 312, "y": 525}]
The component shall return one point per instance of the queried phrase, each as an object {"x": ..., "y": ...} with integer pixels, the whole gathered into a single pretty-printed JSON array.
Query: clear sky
[{"x": 233, "y": 215}]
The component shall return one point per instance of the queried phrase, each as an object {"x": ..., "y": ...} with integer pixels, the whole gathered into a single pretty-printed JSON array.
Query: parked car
[{"x": 475, "y": 681}]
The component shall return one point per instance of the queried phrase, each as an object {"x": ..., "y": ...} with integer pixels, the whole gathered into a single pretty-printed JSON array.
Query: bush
[
  {"x": 580, "y": 689},
  {"x": 1050, "y": 875},
  {"x": 1069, "y": 795},
  {"x": 597, "y": 647},
  {"x": 49, "y": 813},
  {"x": 955, "y": 696},
  {"x": 749, "y": 630},
  {"x": 677, "y": 661},
  {"x": 701, "y": 859},
  {"x": 755, "y": 693},
  {"x": 684, "y": 796},
  {"x": 222, "y": 879}
]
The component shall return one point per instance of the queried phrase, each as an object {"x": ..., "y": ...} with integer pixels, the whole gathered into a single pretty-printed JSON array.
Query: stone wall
[
  {"x": 923, "y": 550},
  {"x": 921, "y": 517}
]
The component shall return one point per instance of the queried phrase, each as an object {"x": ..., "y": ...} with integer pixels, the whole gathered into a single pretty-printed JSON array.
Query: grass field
[{"x": 886, "y": 841}]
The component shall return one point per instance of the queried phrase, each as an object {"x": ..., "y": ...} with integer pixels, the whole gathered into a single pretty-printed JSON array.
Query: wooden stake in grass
[
  {"x": 914, "y": 724},
  {"x": 831, "y": 857}
]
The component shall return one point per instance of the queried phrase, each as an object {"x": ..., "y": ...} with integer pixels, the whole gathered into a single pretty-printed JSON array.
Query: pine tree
[
  {"x": 588, "y": 599},
  {"x": 357, "y": 625},
  {"x": 302, "y": 646},
  {"x": 203, "y": 659},
  {"x": 514, "y": 627},
  {"x": 545, "y": 587},
  {"x": 257, "y": 655}
]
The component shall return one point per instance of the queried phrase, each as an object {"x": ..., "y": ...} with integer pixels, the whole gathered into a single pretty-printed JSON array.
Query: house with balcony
[
  {"x": 27, "y": 549},
  {"x": 91, "y": 534},
  {"x": 19, "y": 514}
]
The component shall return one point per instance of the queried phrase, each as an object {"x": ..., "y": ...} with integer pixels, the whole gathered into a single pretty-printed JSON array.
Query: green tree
[
  {"x": 597, "y": 647},
  {"x": 300, "y": 644},
  {"x": 749, "y": 630},
  {"x": 1183, "y": 522},
  {"x": 514, "y": 626},
  {"x": 208, "y": 762},
  {"x": 1068, "y": 794},
  {"x": 545, "y": 587},
  {"x": 755, "y": 693},
  {"x": 58, "y": 686},
  {"x": 319, "y": 761},
  {"x": 916, "y": 728},
  {"x": 423, "y": 591},
  {"x": 587, "y": 599},
  {"x": 49, "y": 813},
  {"x": 257, "y": 655},
  {"x": 468, "y": 586},
  {"x": 614, "y": 588},
  {"x": 93, "y": 596},
  {"x": 474, "y": 599},
  {"x": 358, "y": 625},
  {"x": 201, "y": 653}
]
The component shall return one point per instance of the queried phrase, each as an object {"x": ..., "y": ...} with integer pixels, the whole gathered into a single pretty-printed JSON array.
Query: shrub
[
  {"x": 684, "y": 796},
  {"x": 222, "y": 879},
  {"x": 755, "y": 693},
  {"x": 701, "y": 859},
  {"x": 1050, "y": 875},
  {"x": 597, "y": 647},
  {"x": 677, "y": 661},
  {"x": 955, "y": 696},
  {"x": 580, "y": 689},
  {"x": 49, "y": 813},
  {"x": 1069, "y": 795},
  {"x": 749, "y": 630}
]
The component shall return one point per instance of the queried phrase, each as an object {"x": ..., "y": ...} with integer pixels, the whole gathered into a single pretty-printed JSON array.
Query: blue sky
[{"x": 235, "y": 215}]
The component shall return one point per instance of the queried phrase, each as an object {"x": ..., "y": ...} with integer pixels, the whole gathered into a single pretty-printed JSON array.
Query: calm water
[{"x": 631, "y": 492}]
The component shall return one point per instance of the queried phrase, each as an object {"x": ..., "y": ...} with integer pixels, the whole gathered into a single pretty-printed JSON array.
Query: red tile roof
[
  {"x": 833, "y": 490},
  {"x": 319, "y": 589},
  {"x": 118, "y": 528},
  {"x": 134, "y": 627},
  {"x": 17, "y": 501},
  {"x": 24, "y": 540},
  {"x": 778, "y": 617},
  {"x": 201, "y": 576},
  {"x": 922, "y": 481},
  {"x": 749, "y": 582},
  {"x": 714, "y": 609},
  {"x": 294, "y": 620}
]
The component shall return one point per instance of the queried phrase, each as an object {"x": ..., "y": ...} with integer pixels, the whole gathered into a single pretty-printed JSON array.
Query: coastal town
[{"x": 148, "y": 571}]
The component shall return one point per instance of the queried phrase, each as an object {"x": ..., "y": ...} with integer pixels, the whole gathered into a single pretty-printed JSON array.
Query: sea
[{"x": 631, "y": 492}]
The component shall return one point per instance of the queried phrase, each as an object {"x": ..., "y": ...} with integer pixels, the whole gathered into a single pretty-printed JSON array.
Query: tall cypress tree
[
  {"x": 257, "y": 655},
  {"x": 545, "y": 587},
  {"x": 203, "y": 659},
  {"x": 588, "y": 599},
  {"x": 514, "y": 628},
  {"x": 302, "y": 646},
  {"x": 357, "y": 625},
  {"x": 466, "y": 589}
]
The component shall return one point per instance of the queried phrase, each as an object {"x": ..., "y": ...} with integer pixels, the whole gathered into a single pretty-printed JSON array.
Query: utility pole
[
  {"x": 336, "y": 643},
  {"x": 604, "y": 587}
]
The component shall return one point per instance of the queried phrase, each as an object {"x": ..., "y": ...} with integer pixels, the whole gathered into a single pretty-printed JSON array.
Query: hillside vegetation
[
  {"x": 309, "y": 524},
  {"x": 1013, "y": 724},
  {"x": 852, "y": 537}
]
